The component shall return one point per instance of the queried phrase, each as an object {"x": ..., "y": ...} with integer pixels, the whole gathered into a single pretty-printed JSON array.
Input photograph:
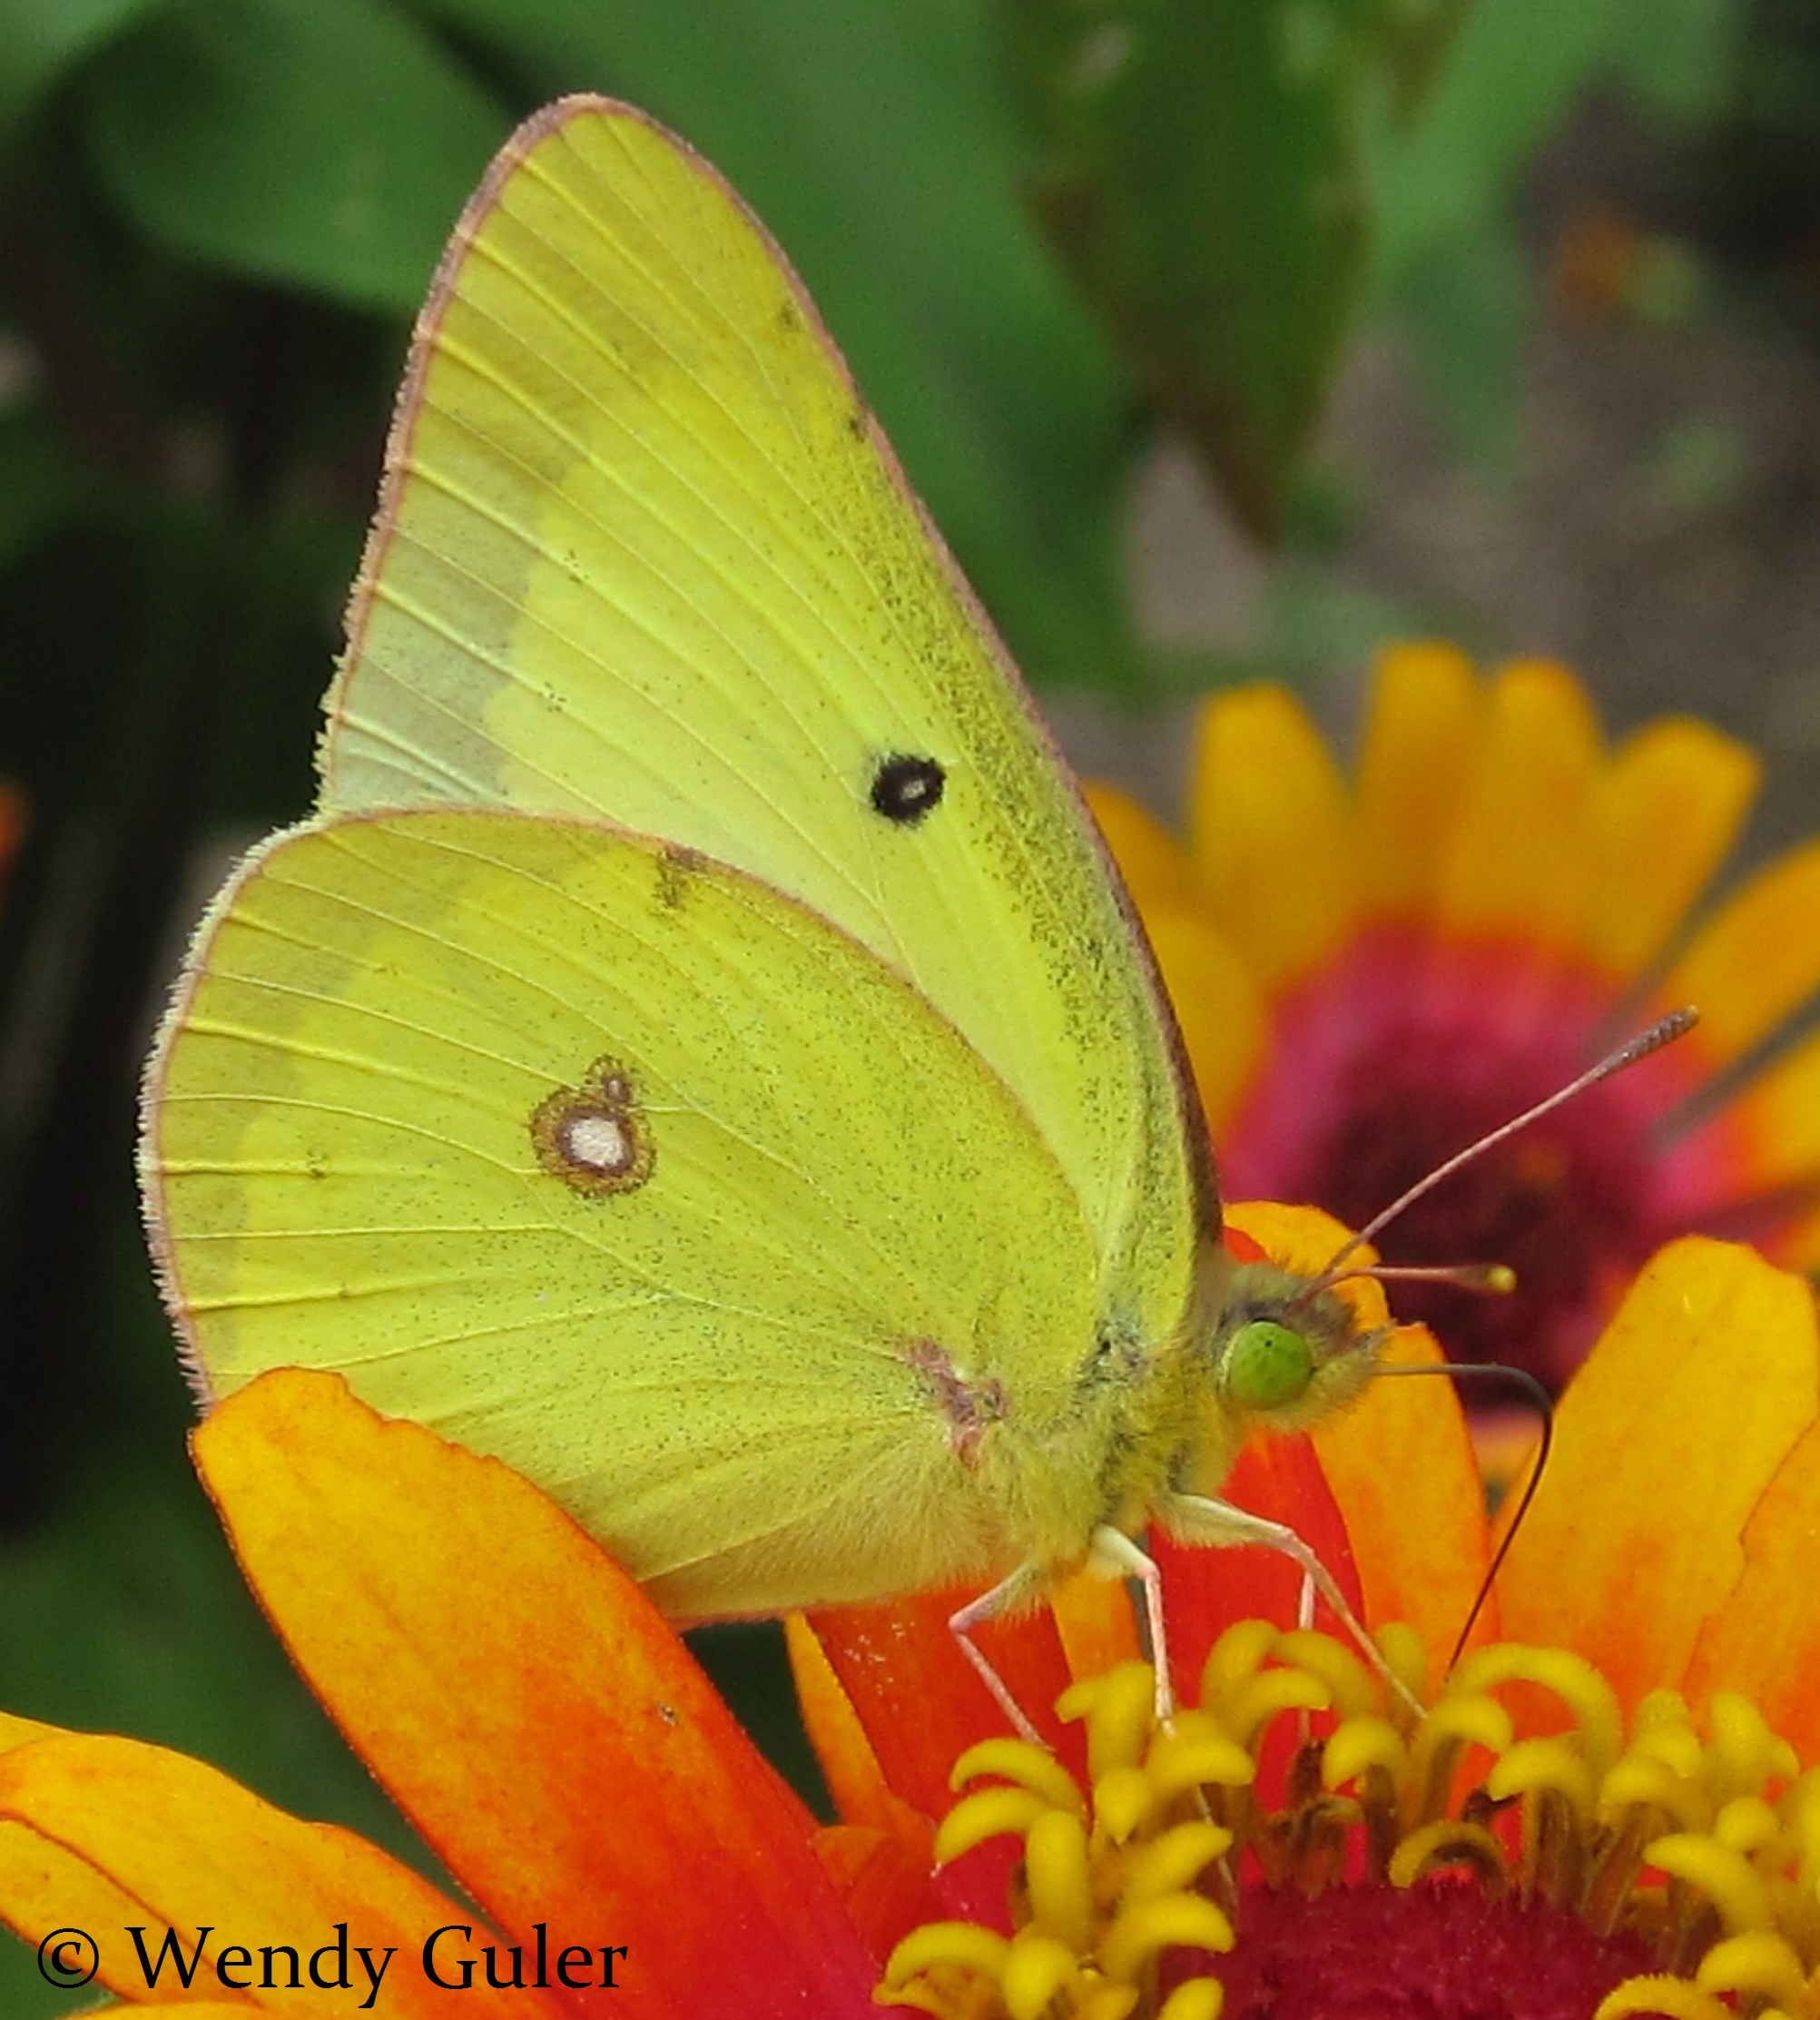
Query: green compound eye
[{"x": 1267, "y": 1366}]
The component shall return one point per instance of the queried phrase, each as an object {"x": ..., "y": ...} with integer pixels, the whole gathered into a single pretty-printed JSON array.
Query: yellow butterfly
[{"x": 698, "y": 1050}]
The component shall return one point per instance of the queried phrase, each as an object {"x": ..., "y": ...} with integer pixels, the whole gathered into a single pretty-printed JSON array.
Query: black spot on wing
[{"x": 907, "y": 789}]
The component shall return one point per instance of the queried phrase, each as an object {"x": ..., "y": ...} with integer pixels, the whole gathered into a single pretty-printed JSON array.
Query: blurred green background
[{"x": 1221, "y": 336}]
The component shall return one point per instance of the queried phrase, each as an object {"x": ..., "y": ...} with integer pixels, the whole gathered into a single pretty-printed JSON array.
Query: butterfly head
[{"x": 1286, "y": 1351}]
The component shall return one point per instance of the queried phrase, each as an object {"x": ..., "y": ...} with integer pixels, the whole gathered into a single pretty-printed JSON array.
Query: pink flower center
[{"x": 1441, "y": 1950}]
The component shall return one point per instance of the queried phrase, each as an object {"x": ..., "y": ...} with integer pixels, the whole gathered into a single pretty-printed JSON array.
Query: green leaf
[
  {"x": 1199, "y": 172},
  {"x": 1447, "y": 179},
  {"x": 326, "y": 143},
  {"x": 875, "y": 144},
  {"x": 40, "y": 40},
  {"x": 1467, "y": 303},
  {"x": 1682, "y": 54},
  {"x": 1512, "y": 74}
]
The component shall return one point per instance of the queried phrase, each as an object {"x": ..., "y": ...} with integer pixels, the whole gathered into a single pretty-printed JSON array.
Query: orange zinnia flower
[
  {"x": 1604, "y": 1809},
  {"x": 557, "y": 1748},
  {"x": 1372, "y": 974},
  {"x": 525, "y": 1706}
]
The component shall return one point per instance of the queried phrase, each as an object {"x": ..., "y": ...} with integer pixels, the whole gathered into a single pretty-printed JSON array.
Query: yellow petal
[
  {"x": 1758, "y": 958},
  {"x": 1668, "y": 809},
  {"x": 1517, "y": 863},
  {"x": 1421, "y": 744},
  {"x": 45, "y": 1887},
  {"x": 1706, "y": 1378},
  {"x": 189, "y": 1846},
  {"x": 1272, "y": 832},
  {"x": 1218, "y": 1006},
  {"x": 1157, "y": 868},
  {"x": 1765, "y": 1639}
]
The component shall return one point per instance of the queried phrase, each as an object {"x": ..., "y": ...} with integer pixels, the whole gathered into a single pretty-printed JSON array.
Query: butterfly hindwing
[{"x": 615, "y": 1163}]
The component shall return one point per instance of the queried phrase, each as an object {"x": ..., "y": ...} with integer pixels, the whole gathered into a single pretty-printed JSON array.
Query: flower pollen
[{"x": 1298, "y": 1842}]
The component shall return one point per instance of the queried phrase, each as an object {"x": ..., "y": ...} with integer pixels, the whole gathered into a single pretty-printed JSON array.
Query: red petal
[{"x": 1205, "y": 1592}]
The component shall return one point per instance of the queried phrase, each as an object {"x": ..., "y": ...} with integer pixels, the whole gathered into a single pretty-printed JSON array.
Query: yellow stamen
[
  {"x": 1352, "y": 1690},
  {"x": 1570, "y": 1677},
  {"x": 1061, "y": 1883},
  {"x": 964, "y": 1944},
  {"x": 1725, "y": 1877},
  {"x": 1118, "y": 1708},
  {"x": 1446, "y": 1843},
  {"x": 1198, "y": 1755},
  {"x": 1759, "y": 1962},
  {"x": 1536, "y": 1764},
  {"x": 1660, "y": 1994},
  {"x": 1359, "y": 1744},
  {"x": 1171, "y": 1834},
  {"x": 1039, "y": 1968},
  {"x": 988, "y": 1813},
  {"x": 1178, "y": 1921},
  {"x": 1176, "y": 1859},
  {"x": 1031, "y": 1767},
  {"x": 1197, "y": 1999},
  {"x": 1638, "y": 1783}
]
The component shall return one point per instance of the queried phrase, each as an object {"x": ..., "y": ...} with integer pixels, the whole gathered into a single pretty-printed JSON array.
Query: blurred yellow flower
[{"x": 1370, "y": 973}]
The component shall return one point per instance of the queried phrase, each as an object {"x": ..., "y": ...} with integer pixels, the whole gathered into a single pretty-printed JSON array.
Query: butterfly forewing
[{"x": 644, "y": 555}]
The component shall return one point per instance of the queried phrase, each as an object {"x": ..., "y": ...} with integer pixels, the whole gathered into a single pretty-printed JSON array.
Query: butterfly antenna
[
  {"x": 1539, "y": 1399},
  {"x": 1664, "y": 1032}
]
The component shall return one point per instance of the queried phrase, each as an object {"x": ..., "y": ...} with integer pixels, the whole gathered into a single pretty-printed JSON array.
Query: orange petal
[
  {"x": 1764, "y": 1145},
  {"x": 1703, "y": 1381},
  {"x": 1765, "y": 1641},
  {"x": 1157, "y": 868},
  {"x": 1402, "y": 1471},
  {"x": 190, "y": 1848},
  {"x": 1668, "y": 809},
  {"x": 1306, "y": 1239},
  {"x": 861, "y": 1795},
  {"x": 1272, "y": 832},
  {"x": 1218, "y": 1005},
  {"x": 886, "y": 1891},
  {"x": 1758, "y": 958},
  {"x": 923, "y": 1706},
  {"x": 1423, "y": 734},
  {"x": 917, "y": 1696},
  {"x": 1516, "y": 862},
  {"x": 524, "y": 1702},
  {"x": 1098, "y": 1629}
]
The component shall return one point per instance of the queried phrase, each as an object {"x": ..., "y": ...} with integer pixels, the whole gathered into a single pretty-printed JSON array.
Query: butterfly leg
[
  {"x": 1196, "y": 1519},
  {"x": 1113, "y": 1555},
  {"x": 1009, "y": 1593}
]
